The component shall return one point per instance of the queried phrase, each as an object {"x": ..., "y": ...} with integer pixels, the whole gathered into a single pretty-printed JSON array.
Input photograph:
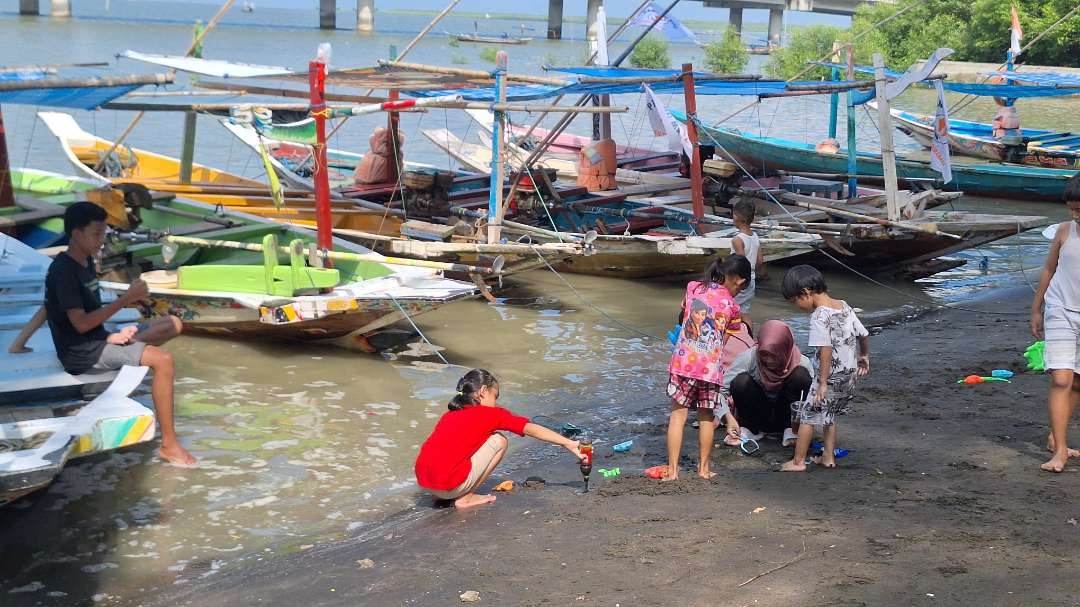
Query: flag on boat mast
[
  {"x": 1017, "y": 34},
  {"x": 939, "y": 150},
  {"x": 672, "y": 27},
  {"x": 665, "y": 125},
  {"x": 599, "y": 46}
]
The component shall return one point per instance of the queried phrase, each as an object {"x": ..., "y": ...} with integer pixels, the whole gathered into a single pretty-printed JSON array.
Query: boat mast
[
  {"x": 696, "y": 194},
  {"x": 7, "y": 191},
  {"x": 317, "y": 89},
  {"x": 498, "y": 146},
  {"x": 888, "y": 152}
]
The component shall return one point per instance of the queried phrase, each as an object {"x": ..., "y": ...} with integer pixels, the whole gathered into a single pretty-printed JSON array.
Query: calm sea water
[{"x": 302, "y": 444}]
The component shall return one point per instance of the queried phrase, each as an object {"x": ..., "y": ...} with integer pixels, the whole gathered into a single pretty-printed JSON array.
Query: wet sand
[{"x": 941, "y": 501}]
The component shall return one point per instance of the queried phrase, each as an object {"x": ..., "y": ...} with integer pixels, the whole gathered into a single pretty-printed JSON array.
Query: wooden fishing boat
[
  {"x": 217, "y": 290},
  {"x": 213, "y": 186},
  {"x": 1052, "y": 149},
  {"x": 1000, "y": 180},
  {"x": 503, "y": 39},
  {"x": 45, "y": 419}
]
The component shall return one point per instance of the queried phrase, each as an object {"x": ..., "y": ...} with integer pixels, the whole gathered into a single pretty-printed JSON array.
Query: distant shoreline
[{"x": 616, "y": 21}]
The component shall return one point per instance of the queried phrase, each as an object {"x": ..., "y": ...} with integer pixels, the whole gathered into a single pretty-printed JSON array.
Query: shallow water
[{"x": 301, "y": 444}]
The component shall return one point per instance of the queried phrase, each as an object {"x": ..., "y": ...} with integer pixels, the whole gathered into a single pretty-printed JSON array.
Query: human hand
[
  {"x": 820, "y": 394},
  {"x": 575, "y": 448},
  {"x": 864, "y": 365},
  {"x": 1037, "y": 323},
  {"x": 733, "y": 428},
  {"x": 138, "y": 289},
  {"x": 121, "y": 337}
]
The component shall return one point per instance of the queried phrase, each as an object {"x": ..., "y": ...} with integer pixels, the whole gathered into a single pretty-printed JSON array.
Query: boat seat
[
  {"x": 269, "y": 279},
  {"x": 810, "y": 187}
]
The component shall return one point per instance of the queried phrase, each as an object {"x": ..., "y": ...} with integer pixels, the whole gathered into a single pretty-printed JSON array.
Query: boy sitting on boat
[{"x": 76, "y": 319}]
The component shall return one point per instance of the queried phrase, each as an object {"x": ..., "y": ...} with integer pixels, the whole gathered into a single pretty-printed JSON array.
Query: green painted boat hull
[{"x": 996, "y": 180}]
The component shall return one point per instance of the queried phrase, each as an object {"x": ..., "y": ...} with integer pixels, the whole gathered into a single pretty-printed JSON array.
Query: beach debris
[
  {"x": 506, "y": 485},
  {"x": 758, "y": 510},
  {"x": 365, "y": 563},
  {"x": 1071, "y": 521},
  {"x": 656, "y": 472},
  {"x": 1034, "y": 355},
  {"x": 534, "y": 482},
  {"x": 801, "y": 554},
  {"x": 622, "y": 447},
  {"x": 819, "y": 448},
  {"x": 971, "y": 380},
  {"x": 469, "y": 596},
  {"x": 609, "y": 473},
  {"x": 1002, "y": 373}
]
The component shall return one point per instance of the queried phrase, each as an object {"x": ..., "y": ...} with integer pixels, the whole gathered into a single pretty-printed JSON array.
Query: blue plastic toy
[
  {"x": 837, "y": 452},
  {"x": 1002, "y": 373},
  {"x": 622, "y": 447},
  {"x": 673, "y": 335}
]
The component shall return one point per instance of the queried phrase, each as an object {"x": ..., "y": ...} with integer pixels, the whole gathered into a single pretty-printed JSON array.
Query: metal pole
[
  {"x": 187, "y": 147},
  {"x": 852, "y": 160},
  {"x": 888, "y": 153},
  {"x": 323, "y": 219},
  {"x": 696, "y": 194},
  {"x": 834, "y": 105},
  {"x": 498, "y": 146}
]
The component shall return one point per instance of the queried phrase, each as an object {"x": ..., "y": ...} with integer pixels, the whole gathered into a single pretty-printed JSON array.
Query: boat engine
[
  {"x": 427, "y": 193},
  {"x": 534, "y": 190}
]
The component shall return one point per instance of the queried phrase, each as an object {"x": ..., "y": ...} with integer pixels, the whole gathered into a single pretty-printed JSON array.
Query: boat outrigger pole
[
  {"x": 498, "y": 148},
  {"x": 317, "y": 88},
  {"x": 696, "y": 193}
]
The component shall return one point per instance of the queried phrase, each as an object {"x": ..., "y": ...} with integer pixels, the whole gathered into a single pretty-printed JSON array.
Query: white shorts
[
  {"x": 1062, "y": 338},
  {"x": 480, "y": 462}
]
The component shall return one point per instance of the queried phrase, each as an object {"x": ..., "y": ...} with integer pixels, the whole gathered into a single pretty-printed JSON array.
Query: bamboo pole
[
  {"x": 457, "y": 71},
  {"x": 335, "y": 255},
  {"x": 285, "y": 92},
  {"x": 191, "y": 49},
  {"x": 888, "y": 151},
  {"x": 90, "y": 82},
  {"x": 806, "y": 203}
]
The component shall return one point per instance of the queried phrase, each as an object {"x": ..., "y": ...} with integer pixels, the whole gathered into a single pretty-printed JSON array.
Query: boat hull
[{"x": 1009, "y": 181}]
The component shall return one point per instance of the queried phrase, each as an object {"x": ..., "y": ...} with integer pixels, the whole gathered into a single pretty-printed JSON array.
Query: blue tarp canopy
[
  {"x": 598, "y": 81},
  {"x": 9, "y": 75},
  {"x": 72, "y": 98},
  {"x": 1045, "y": 84}
]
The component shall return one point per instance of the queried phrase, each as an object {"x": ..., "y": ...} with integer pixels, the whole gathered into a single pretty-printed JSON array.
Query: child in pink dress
[{"x": 696, "y": 370}]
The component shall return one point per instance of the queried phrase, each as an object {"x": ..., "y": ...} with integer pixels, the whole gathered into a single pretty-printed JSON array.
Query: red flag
[{"x": 1017, "y": 32}]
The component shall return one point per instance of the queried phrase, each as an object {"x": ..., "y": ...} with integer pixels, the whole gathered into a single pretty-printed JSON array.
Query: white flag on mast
[
  {"x": 599, "y": 46},
  {"x": 939, "y": 150},
  {"x": 664, "y": 124},
  {"x": 1017, "y": 34}
]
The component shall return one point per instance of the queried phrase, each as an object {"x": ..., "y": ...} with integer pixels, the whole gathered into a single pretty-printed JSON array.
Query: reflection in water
[{"x": 301, "y": 444}]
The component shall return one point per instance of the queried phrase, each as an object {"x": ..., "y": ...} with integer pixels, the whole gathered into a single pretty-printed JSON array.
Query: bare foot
[
  {"x": 176, "y": 455},
  {"x": 1056, "y": 464},
  {"x": 793, "y": 466},
  {"x": 470, "y": 500},
  {"x": 706, "y": 474},
  {"x": 672, "y": 474},
  {"x": 824, "y": 462},
  {"x": 1073, "y": 453}
]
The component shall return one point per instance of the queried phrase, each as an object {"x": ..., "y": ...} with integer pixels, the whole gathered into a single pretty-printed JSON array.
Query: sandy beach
[{"x": 940, "y": 501}]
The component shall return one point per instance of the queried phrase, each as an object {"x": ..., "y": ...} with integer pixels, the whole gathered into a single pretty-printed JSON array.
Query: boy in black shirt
[{"x": 76, "y": 320}]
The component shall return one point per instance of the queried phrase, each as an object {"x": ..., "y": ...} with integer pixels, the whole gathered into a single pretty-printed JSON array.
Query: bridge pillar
[
  {"x": 328, "y": 14},
  {"x": 29, "y": 7},
  {"x": 593, "y": 13},
  {"x": 555, "y": 8},
  {"x": 365, "y": 15},
  {"x": 60, "y": 8},
  {"x": 735, "y": 19},
  {"x": 776, "y": 26}
]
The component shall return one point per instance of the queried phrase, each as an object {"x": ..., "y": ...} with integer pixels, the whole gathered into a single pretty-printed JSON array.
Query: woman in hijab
[{"x": 764, "y": 380}]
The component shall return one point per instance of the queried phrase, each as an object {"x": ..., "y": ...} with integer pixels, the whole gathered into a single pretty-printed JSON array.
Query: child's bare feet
[
  {"x": 670, "y": 474},
  {"x": 825, "y": 461},
  {"x": 470, "y": 500},
  {"x": 1056, "y": 464},
  {"x": 793, "y": 466},
  {"x": 176, "y": 455},
  {"x": 1073, "y": 453},
  {"x": 706, "y": 474}
]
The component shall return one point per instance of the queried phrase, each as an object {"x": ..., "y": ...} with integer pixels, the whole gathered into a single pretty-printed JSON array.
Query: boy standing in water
[
  {"x": 77, "y": 317},
  {"x": 1055, "y": 312},
  {"x": 746, "y": 243}
]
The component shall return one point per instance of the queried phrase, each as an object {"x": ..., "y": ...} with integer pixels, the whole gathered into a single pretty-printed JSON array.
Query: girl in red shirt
[{"x": 465, "y": 445}]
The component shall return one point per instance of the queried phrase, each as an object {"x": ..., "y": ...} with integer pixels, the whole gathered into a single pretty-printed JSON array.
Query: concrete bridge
[{"x": 365, "y": 12}]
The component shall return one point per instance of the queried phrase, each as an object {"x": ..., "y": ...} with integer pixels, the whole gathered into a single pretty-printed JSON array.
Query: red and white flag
[
  {"x": 939, "y": 149},
  {"x": 1017, "y": 32},
  {"x": 665, "y": 125}
]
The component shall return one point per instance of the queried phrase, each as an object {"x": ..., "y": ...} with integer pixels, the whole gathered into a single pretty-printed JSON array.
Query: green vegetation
[
  {"x": 806, "y": 44},
  {"x": 651, "y": 53},
  {"x": 454, "y": 43},
  {"x": 489, "y": 54},
  {"x": 727, "y": 55},
  {"x": 978, "y": 30},
  {"x": 458, "y": 59}
]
